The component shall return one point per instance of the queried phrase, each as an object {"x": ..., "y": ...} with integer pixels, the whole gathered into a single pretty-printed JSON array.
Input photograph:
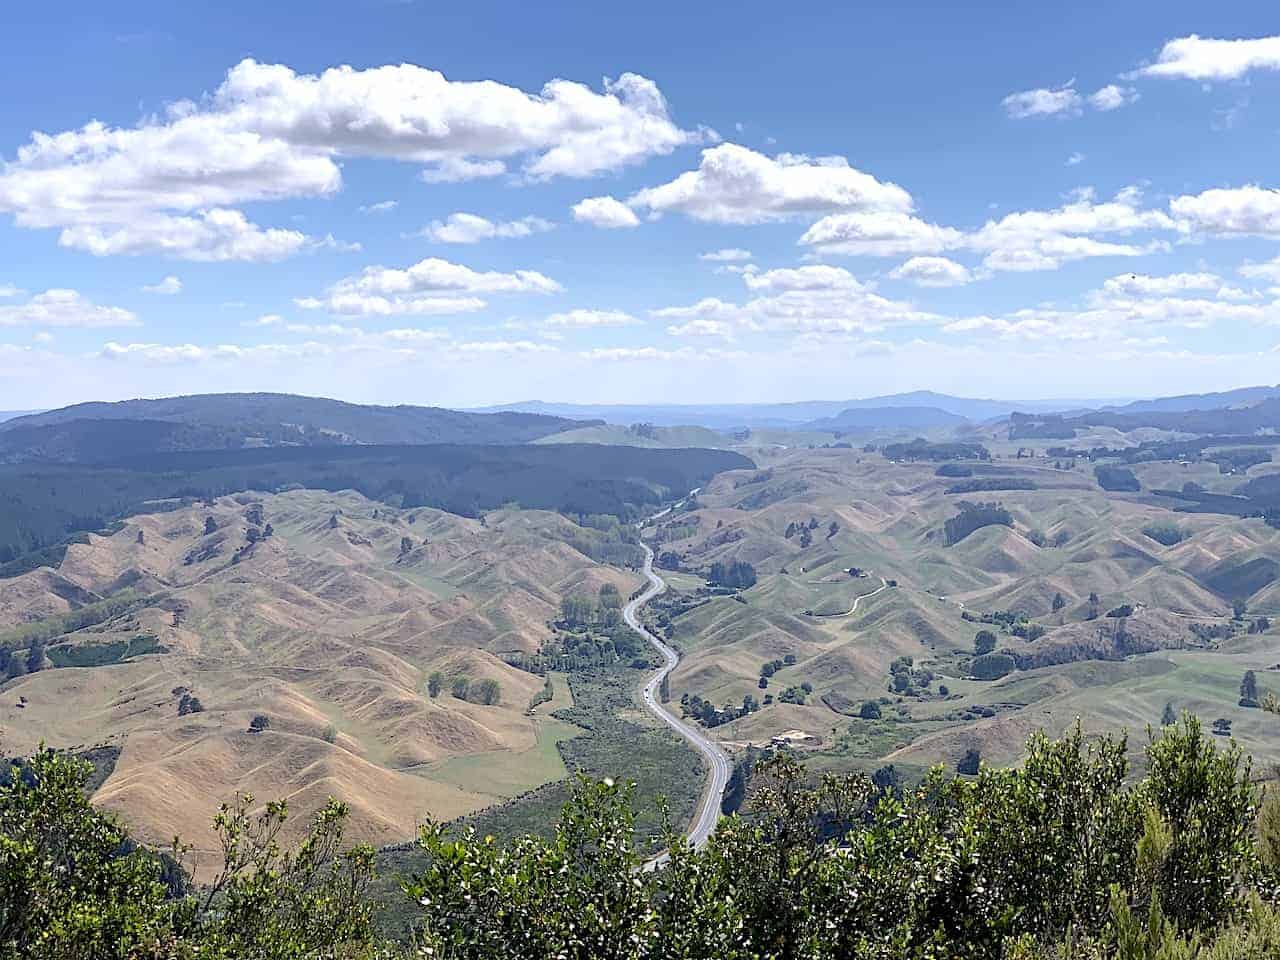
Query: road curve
[{"x": 709, "y": 806}]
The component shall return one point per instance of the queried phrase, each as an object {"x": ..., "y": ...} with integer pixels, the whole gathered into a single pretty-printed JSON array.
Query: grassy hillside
[
  {"x": 822, "y": 527},
  {"x": 330, "y": 627},
  {"x": 642, "y": 435}
]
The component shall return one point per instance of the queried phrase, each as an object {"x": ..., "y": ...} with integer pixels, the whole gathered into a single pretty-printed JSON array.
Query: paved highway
[{"x": 709, "y": 807}]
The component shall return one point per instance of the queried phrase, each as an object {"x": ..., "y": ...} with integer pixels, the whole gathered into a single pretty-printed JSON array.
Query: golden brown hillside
[
  {"x": 1160, "y": 629},
  {"x": 330, "y": 627}
]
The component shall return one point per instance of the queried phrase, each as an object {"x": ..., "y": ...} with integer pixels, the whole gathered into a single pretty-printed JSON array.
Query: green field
[{"x": 505, "y": 773}]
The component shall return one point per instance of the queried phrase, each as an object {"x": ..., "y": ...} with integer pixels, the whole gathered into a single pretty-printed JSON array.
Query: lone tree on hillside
[
  {"x": 461, "y": 686},
  {"x": 1249, "y": 690},
  {"x": 1094, "y": 603},
  {"x": 35, "y": 656},
  {"x": 488, "y": 692},
  {"x": 609, "y": 595},
  {"x": 1058, "y": 602},
  {"x": 1169, "y": 716},
  {"x": 970, "y": 763},
  {"x": 434, "y": 683},
  {"x": 1239, "y": 608},
  {"x": 210, "y": 525},
  {"x": 984, "y": 642},
  {"x": 870, "y": 710}
]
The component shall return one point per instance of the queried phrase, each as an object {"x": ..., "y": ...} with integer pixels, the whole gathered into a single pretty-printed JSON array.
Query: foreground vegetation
[{"x": 1063, "y": 858}]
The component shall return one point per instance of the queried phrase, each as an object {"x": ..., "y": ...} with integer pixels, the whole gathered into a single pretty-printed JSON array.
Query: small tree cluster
[
  {"x": 736, "y": 575},
  {"x": 709, "y": 715},
  {"x": 487, "y": 692},
  {"x": 905, "y": 678}
]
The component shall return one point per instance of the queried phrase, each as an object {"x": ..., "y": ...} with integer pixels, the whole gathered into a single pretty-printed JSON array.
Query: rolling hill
[
  {"x": 328, "y": 624},
  {"x": 1075, "y": 582}
]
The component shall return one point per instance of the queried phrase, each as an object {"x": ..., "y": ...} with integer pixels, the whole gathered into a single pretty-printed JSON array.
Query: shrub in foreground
[{"x": 1063, "y": 858}]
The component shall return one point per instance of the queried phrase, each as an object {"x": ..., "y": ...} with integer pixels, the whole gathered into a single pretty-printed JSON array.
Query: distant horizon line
[{"x": 660, "y": 404}]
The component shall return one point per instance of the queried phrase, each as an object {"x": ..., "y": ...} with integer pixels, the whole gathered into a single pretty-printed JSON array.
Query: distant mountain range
[
  {"x": 733, "y": 416},
  {"x": 89, "y": 432},
  {"x": 1245, "y": 396},
  {"x": 1239, "y": 419},
  {"x": 100, "y": 432},
  {"x": 10, "y": 414},
  {"x": 887, "y": 418}
]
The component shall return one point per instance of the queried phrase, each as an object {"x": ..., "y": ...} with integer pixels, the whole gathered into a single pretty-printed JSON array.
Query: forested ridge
[
  {"x": 43, "y": 504},
  {"x": 1065, "y": 857},
  {"x": 90, "y": 432}
]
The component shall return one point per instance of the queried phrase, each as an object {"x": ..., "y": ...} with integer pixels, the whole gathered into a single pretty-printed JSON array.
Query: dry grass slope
[{"x": 330, "y": 627}]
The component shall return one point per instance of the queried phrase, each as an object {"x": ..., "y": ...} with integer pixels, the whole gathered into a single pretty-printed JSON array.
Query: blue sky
[{"x": 680, "y": 202}]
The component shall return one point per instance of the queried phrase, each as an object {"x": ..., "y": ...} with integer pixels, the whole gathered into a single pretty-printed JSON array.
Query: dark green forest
[
  {"x": 91, "y": 432},
  {"x": 42, "y": 505}
]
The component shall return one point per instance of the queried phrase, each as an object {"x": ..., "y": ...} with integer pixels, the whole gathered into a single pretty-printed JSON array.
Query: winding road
[{"x": 709, "y": 807}]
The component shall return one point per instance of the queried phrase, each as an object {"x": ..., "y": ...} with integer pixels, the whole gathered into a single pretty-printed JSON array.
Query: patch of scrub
[
  {"x": 561, "y": 695},
  {"x": 102, "y": 654}
]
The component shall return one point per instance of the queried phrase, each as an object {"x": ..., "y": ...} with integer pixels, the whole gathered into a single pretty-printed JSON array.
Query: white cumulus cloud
[
  {"x": 1268, "y": 270},
  {"x": 932, "y": 272},
  {"x": 1203, "y": 58},
  {"x": 64, "y": 308},
  {"x": 431, "y": 286},
  {"x": 1020, "y": 241},
  {"x": 168, "y": 287},
  {"x": 1141, "y": 285},
  {"x": 606, "y": 212},
  {"x": 880, "y": 233},
  {"x": 591, "y": 318},
  {"x": 703, "y": 327},
  {"x": 734, "y": 184},
  {"x": 1112, "y": 97},
  {"x": 171, "y": 184},
  {"x": 471, "y": 228},
  {"x": 727, "y": 255},
  {"x": 809, "y": 300},
  {"x": 1249, "y": 210},
  {"x": 1043, "y": 102}
]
